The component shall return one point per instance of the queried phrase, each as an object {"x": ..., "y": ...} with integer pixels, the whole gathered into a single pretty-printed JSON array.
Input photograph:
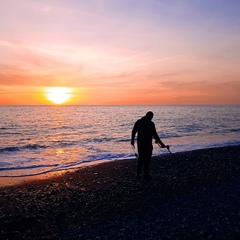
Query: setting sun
[{"x": 58, "y": 95}]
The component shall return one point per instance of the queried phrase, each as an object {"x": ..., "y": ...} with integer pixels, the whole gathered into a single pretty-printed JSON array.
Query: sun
[{"x": 58, "y": 95}]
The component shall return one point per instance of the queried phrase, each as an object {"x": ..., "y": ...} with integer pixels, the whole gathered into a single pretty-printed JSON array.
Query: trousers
[{"x": 144, "y": 159}]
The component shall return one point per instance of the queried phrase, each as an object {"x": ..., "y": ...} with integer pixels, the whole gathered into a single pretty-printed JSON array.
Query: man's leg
[
  {"x": 144, "y": 159},
  {"x": 146, "y": 166},
  {"x": 141, "y": 158},
  {"x": 147, "y": 161},
  {"x": 139, "y": 165}
]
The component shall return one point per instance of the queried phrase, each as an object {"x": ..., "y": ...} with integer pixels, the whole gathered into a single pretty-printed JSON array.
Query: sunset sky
[{"x": 120, "y": 51}]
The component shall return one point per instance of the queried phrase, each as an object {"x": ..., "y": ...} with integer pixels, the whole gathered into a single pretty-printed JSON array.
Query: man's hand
[
  {"x": 162, "y": 144},
  {"x": 165, "y": 146}
]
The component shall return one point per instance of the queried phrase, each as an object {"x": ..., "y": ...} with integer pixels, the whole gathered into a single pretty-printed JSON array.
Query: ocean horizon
[{"x": 36, "y": 140}]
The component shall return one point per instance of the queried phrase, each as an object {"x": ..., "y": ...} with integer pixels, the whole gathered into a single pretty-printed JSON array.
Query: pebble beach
[{"x": 192, "y": 195}]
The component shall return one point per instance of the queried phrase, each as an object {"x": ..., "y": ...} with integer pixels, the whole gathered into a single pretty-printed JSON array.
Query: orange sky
[{"x": 120, "y": 52}]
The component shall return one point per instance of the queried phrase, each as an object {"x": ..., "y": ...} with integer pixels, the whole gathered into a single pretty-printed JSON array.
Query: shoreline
[
  {"x": 21, "y": 180},
  {"x": 10, "y": 181},
  {"x": 195, "y": 196}
]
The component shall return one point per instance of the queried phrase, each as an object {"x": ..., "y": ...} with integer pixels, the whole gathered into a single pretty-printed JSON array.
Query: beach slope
[{"x": 193, "y": 196}]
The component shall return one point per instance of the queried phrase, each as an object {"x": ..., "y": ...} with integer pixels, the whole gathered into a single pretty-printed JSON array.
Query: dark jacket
[{"x": 146, "y": 130}]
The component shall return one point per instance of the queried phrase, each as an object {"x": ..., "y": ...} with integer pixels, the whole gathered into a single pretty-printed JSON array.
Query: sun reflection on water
[{"x": 59, "y": 151}]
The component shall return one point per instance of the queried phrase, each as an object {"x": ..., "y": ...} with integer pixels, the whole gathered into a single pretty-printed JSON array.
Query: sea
[{"x": 36, "y": 140}]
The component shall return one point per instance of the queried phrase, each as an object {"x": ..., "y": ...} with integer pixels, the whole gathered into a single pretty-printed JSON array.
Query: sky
[{"x": 117, "y": 52}]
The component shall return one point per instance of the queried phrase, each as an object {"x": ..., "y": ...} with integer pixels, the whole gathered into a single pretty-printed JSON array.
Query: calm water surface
[{"x": 39, "y": 139}]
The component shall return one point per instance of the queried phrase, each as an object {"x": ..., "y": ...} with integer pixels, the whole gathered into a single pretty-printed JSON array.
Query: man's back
[{"x": 145, "y": 129}]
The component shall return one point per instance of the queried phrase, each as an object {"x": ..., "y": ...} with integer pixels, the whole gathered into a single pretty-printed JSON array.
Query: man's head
[{"x": 149, "y": 115}]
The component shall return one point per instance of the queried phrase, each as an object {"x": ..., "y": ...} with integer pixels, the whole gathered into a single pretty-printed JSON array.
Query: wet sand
[{"x": 195, "y": 196}]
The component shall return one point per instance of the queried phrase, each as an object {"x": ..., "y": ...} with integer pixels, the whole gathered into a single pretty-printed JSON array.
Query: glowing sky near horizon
[{"x": 121, "y": 51}]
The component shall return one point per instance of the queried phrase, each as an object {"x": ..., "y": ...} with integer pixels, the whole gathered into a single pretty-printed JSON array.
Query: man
[{"x": 145, "y": 130}]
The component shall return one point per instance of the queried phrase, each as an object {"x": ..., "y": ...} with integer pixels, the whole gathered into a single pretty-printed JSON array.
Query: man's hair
[{"x": 149, "y": 115}]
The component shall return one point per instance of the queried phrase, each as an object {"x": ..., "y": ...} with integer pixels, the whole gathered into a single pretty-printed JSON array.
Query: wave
[
  {"x": 4, "y": 164},
  {"x": 28, "y": 167},
  {"x": 36, "y": 170},
  {"x": 53, "y": 168},
  {"x": 10, "y": 133},
  {"x": 234, "y": 130},
  {"x": 26, "y": 147},
  {"x": 100, "y": 140},
  {"x": 123, "y": 140}
]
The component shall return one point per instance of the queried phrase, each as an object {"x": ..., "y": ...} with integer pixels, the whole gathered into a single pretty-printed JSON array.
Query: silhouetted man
[{"x": 145, "y": 130}]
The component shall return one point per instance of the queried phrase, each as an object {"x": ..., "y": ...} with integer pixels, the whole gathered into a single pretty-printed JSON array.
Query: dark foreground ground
[{"x": 196, "y": 196}]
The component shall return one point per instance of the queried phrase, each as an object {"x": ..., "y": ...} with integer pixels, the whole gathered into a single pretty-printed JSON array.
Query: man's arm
[
  {"x": 134, "y": 131},
  {"x": 161, "y": 143},
  {"x": 157, "y": 138}
]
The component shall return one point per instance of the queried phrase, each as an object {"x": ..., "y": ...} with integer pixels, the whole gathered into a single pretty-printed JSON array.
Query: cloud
[{"x": 138, "y": 48}]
